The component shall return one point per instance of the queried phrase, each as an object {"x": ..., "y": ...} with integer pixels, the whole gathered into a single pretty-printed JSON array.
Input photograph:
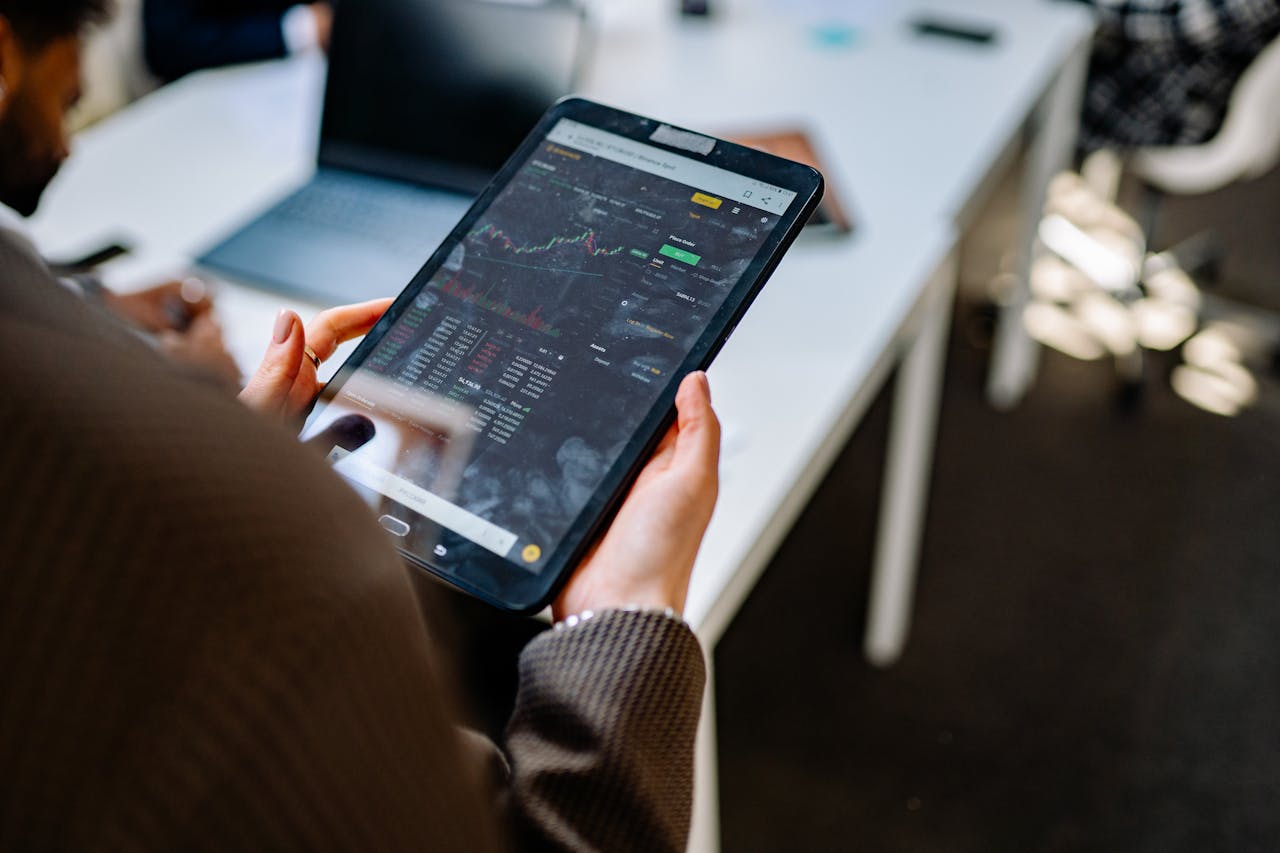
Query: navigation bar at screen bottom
[{"x": 485, "y": 534}]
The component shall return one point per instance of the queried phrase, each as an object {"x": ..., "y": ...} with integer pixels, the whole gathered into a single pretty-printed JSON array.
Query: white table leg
[
  {"x": 908, "y": 465},
  {"x": 704, "y": 835},
  {"x": 1054, "y": 126}
]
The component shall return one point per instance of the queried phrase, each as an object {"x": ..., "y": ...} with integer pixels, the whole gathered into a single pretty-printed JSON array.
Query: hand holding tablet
[
  {"x": 539, "y": 351},
  {"x": 646, "y": 556}
]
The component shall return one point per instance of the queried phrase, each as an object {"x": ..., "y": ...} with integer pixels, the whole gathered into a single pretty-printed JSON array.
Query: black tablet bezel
[{"x": 524, "y": 591}]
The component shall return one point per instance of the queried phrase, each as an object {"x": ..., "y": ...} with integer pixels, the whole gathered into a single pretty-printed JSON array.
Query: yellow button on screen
[
  {"x": 531, "y": 553},
  {"x": 707, "y": 201}
]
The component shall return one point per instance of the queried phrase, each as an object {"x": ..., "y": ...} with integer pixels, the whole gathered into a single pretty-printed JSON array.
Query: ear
[{"x": 12, "y": 63}]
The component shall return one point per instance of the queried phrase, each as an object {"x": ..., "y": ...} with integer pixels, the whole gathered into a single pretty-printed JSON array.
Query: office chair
[
  {"x": 1129, "y": 298},
  {"x": 1247, "y": 146}
]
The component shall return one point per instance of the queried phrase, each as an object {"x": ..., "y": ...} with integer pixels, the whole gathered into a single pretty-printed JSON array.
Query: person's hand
[
  {"x": 322, "y": 13},
  {"x": 646, "y": 556},
  {"x": 285, "y": 382},
  {"x": 201, "y": 346},
  {"x": 179, "y": 314},
  {"x": 171, "y": 306}
]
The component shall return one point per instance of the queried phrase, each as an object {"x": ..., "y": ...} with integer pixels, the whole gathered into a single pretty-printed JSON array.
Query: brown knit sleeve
[
  {"x": 601, "y": 741},
  {"x": 207, "y": 642}
]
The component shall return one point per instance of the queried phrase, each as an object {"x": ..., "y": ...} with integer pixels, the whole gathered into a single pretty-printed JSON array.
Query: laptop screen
[{"x": 442, "y": 91}]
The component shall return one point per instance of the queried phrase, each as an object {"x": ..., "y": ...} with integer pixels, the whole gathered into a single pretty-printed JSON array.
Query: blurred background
[{"x": 1055, "y": 232}]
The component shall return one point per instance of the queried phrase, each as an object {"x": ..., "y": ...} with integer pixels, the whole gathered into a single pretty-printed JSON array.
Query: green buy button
[{"x": 680, "y": 255}]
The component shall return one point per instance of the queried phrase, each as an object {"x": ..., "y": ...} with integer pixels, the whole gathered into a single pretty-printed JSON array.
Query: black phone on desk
[
  {"x": 91, "y": 260},
  {"x": 975, "y": 33},
  {"x": 523, "y": 378}
]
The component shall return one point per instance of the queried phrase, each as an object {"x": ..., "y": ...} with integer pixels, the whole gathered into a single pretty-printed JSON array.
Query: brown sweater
[{"x": 207, "y": 643}]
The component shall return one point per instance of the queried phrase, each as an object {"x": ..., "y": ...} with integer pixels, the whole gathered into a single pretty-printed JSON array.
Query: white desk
[
  {"x": 911, "y": 131},
  {"x": 918, "y": 124},
  {"x": 921, "y": 125},
  {"x": 183, "y": 166},
  {"x": 916, "y": 131}
]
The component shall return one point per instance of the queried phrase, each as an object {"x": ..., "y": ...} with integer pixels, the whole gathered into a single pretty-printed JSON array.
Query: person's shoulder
[
  {"x": 119, "y": 426},
  {"x": 31, "y": 295},
  {"x": 21, "y": 269}
]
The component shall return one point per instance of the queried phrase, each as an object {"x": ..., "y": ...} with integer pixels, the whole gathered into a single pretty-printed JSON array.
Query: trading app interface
[{"x": 556, "y": 323}]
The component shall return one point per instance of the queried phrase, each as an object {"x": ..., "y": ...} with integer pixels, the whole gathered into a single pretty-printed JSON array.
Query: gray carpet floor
[{"x": 1095, "y": 658}]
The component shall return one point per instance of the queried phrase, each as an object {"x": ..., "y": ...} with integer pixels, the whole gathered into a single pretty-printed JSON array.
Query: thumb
[
  {"x": 698, "y": 437},
  {"x": 350, "y": 432},
  {"x": 269, "y": 387}
]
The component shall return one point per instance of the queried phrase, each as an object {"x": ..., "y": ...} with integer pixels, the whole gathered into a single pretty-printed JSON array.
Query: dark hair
[{"x": 38, "y": 22}]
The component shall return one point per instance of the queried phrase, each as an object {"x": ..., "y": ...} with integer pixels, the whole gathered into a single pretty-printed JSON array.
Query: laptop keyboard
[{"x": 400, "y": 217}]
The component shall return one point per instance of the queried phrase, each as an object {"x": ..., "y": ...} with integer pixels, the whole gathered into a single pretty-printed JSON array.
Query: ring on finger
[{"x": 311, "y": 354}]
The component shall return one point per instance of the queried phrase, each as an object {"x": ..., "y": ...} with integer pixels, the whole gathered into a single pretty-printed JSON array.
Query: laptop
[{"x": 424, "y": 101}]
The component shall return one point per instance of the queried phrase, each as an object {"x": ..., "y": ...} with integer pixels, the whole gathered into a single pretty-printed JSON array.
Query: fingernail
[
  {"x": 706, "y": 383},
  {"x": 284, "y": 325},
  {"x": 193, "y": 289}
]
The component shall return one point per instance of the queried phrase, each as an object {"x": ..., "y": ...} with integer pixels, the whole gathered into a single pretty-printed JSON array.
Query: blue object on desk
[{"x": 835, "y": 35}]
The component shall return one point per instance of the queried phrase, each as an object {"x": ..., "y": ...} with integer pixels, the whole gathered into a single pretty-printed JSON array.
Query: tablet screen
[{"x": 549, "y": 332}]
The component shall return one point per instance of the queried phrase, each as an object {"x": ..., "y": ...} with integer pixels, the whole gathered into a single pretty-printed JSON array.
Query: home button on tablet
[{"x": 394, "y": 526}]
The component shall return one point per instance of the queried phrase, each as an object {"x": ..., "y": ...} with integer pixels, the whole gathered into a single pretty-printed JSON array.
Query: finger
[
  {"x": 180, "y": 302},
  {"x": 303, "y": 391},
  {"x": 164, "y": 290},
  {"x": 661, "y": 459},
  {"x": 668, "y": 443},
  {"x": 204, "y": 327},
  {"x": 698, "y": 438},
  {"x": 195, "y": 295},
  {"x": 208, "y": 321},
  {"x": 666, "y": 447},
  {"x": 337, "y": 325},
  {"x": 350, "y": 432},
  {"x": 270, "y": 386},
  {"x": 191, "y": 290}
]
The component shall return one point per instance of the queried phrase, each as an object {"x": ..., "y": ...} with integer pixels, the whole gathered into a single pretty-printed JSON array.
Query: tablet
[{"x": 506, "y": 400}]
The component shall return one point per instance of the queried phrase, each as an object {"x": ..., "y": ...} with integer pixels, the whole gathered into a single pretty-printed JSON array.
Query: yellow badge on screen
[
  {"x": 707, "y": 200},
  {"x": 531, "y": 553}
]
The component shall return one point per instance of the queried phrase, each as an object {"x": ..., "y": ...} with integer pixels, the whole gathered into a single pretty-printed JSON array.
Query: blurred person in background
[
  {"x": 40, "y": 43},
  {"x": 1162, "y": 71},
  {"x": 181, "y": 36}
]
